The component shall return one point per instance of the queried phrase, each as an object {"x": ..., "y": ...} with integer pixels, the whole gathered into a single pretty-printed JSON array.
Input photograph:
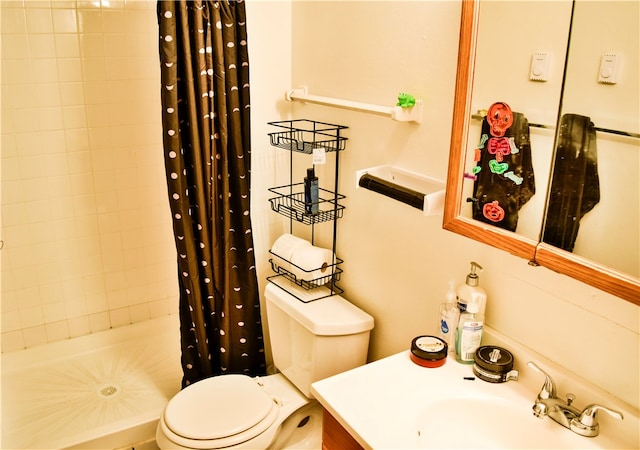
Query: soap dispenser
[
  {"x": 471, "y": 292},
  {"x": 449, "y": 317}
]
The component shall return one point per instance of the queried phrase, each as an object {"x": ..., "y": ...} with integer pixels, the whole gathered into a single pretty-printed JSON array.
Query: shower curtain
[{"x": 206, "y": 138}]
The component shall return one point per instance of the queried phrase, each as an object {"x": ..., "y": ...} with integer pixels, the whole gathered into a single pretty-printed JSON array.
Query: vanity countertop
[
  {"x": 382, "y": 405},
  {"x": 379, "y": 403}
]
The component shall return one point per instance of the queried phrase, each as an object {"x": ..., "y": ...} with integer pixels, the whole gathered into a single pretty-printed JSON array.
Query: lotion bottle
[
  {"x": 449, "y": 318},
  {"x": 311, "y": 197},
  {"x": 468, "y": 334},
  {"x": 471, "y": 292}
]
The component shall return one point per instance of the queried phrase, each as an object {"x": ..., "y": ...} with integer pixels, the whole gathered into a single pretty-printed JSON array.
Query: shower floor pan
[{"x": 104, "y": 390}]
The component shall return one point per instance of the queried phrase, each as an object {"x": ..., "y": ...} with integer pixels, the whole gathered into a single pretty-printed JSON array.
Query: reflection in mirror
[
  {"x": 505, "y": 71},
  {"x": 457, "y": 215},
  {"x": 594, "y": 200},
  {"x": 486, "y": 77}
]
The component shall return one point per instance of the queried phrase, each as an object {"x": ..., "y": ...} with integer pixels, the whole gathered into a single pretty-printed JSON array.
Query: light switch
[
  {"x": 609, "y": 68},
  {"x": 539, "y": 66}
]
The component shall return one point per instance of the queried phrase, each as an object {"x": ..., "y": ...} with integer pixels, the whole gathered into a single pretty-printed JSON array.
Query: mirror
[{"x": 496, "y": 68}]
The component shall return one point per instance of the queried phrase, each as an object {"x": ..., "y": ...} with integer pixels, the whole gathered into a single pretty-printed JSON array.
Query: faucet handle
[
  {"x": 549, "y": 387},
  {"x": 587, "y": 424},
  {"x": 589, "y": 416}
]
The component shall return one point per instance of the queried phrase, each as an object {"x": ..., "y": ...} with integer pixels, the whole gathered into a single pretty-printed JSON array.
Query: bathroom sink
[
  {"x": 393, "y": 403},
  {"x": 490, "y": 423},
  {"x": 487, "y": 423}
]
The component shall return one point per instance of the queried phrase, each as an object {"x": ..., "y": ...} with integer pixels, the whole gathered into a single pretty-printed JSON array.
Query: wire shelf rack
[{"x": 303, "y": 136}]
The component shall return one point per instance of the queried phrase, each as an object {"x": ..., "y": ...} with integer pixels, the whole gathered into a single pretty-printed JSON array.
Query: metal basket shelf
[
  {"x": 330, "y": 279},
  {"x": 304, "y": 295},
  {"x": 290, "y": 203},
  {"x": 303, "y": 136}
]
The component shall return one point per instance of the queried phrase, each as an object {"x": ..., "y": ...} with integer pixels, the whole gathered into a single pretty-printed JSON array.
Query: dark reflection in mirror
[
  {"x": 575, "y": 187},
  {"x": 593, "y": 203},
  {"x": 503, "y": 174},
  {"x": 503, "y": 69}
]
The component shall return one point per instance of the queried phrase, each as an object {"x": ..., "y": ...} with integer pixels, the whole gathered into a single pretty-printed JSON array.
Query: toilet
[{"x": 309, "y": 342}]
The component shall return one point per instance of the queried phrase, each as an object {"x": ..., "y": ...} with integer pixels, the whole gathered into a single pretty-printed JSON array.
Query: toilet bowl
[
  {"x": 229, "y": 411},
  {"x": 310, "y": 341}
]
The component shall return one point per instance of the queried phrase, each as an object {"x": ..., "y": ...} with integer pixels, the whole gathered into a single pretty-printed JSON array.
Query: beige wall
[
  {"x": 85, "y": 221},
  {"x": 397, "y": 262}
]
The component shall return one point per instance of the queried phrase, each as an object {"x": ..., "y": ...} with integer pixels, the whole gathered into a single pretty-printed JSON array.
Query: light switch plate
[
  {"x": 539, "y": 66},
  {"x": 609, "y": 68}
]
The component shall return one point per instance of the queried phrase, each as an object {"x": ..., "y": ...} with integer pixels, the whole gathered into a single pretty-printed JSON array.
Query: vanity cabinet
[{"x": 335, "y": 437}]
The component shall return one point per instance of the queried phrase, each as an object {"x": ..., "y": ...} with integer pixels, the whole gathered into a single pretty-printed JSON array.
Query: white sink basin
[
  {"x": 491, "y": 423},
  {"x": 395, "y": 404}
]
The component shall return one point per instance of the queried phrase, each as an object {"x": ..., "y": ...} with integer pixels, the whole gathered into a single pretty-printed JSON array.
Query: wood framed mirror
[{"x": 528, "y": 246}]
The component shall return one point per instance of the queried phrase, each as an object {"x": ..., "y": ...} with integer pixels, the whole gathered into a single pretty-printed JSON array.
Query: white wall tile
[
  {"x": 42, "y": 45},
  {"x": 70, "y": 70},
  {"x": 64, "y": 21},
  {"x": 99, "y": 321},
  {"x": 57, "y": 331},
  {"x": 50, "y": 118},
  {"x": 47, "y": 94},
  {"x": 120, "y": 317},
  {"x": 16, "y": 71},
  {"x": 12, "y": 341},
  {"x": 11, "y": 321},
  {"x": 79, "y": 326},
  {"x": 90, "y": 21},
  {"x": 67, "y": 46},
  {"x": 14, "y": 21},
  {"x": 140, "y": 312},
  {"x": 34, "y": 336},
  {"x": 162, "y": 307},
  {"x": 15, "y": 46}
]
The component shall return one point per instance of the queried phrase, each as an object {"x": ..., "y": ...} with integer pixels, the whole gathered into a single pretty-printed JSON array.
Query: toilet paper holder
[{"x": 414, "y": 189}]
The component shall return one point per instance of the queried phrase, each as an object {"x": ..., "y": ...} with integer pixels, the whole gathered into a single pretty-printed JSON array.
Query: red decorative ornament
[
  {"x": 499, "y": 147},
  {"x": 493, "y": 211},
  {"x": 499, "y": 118}
]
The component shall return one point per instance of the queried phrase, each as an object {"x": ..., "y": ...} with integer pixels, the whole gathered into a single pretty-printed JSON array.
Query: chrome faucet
[{"x": 584, "y": 423}]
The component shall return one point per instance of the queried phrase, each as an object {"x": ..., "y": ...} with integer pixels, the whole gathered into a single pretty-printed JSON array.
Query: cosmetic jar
[
  {"x": 428, "y": 351},
  {"x": 494, "y": 364}
]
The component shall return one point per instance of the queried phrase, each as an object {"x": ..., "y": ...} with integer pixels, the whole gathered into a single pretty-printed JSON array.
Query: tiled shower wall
[{"x": 86, "y": 230}]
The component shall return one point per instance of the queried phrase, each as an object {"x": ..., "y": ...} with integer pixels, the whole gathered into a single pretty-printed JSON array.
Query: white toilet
[{"x": 309, "y": 342}]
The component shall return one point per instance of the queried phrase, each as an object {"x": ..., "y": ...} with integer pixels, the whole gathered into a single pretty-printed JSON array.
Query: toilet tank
[{"x": 315, "y": 340}]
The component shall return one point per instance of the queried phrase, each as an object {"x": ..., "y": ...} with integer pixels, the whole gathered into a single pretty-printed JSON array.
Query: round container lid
[
  {"x": 494, "y": 359},
  {"x": 430, "y": 348},
  {"x": 217, "y": 407}
]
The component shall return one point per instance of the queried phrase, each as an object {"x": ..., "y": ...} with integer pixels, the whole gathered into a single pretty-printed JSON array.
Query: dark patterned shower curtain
[{"x": 206, "y": 135}]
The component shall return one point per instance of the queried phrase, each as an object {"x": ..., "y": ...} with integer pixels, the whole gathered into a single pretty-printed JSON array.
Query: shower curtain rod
[{"x": 479, "y": 116}]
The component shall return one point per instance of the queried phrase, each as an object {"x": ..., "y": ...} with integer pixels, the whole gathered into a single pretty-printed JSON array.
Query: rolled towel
[
  {"x": 284, "y": 247},
  {"x": 311, "y": 263}
]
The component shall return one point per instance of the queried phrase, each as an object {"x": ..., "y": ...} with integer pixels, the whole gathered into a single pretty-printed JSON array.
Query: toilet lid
[{"x": 218, "y": 407}]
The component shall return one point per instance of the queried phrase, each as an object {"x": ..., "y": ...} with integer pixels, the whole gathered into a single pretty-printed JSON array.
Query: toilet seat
[{"x": 199, "y": 416}]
